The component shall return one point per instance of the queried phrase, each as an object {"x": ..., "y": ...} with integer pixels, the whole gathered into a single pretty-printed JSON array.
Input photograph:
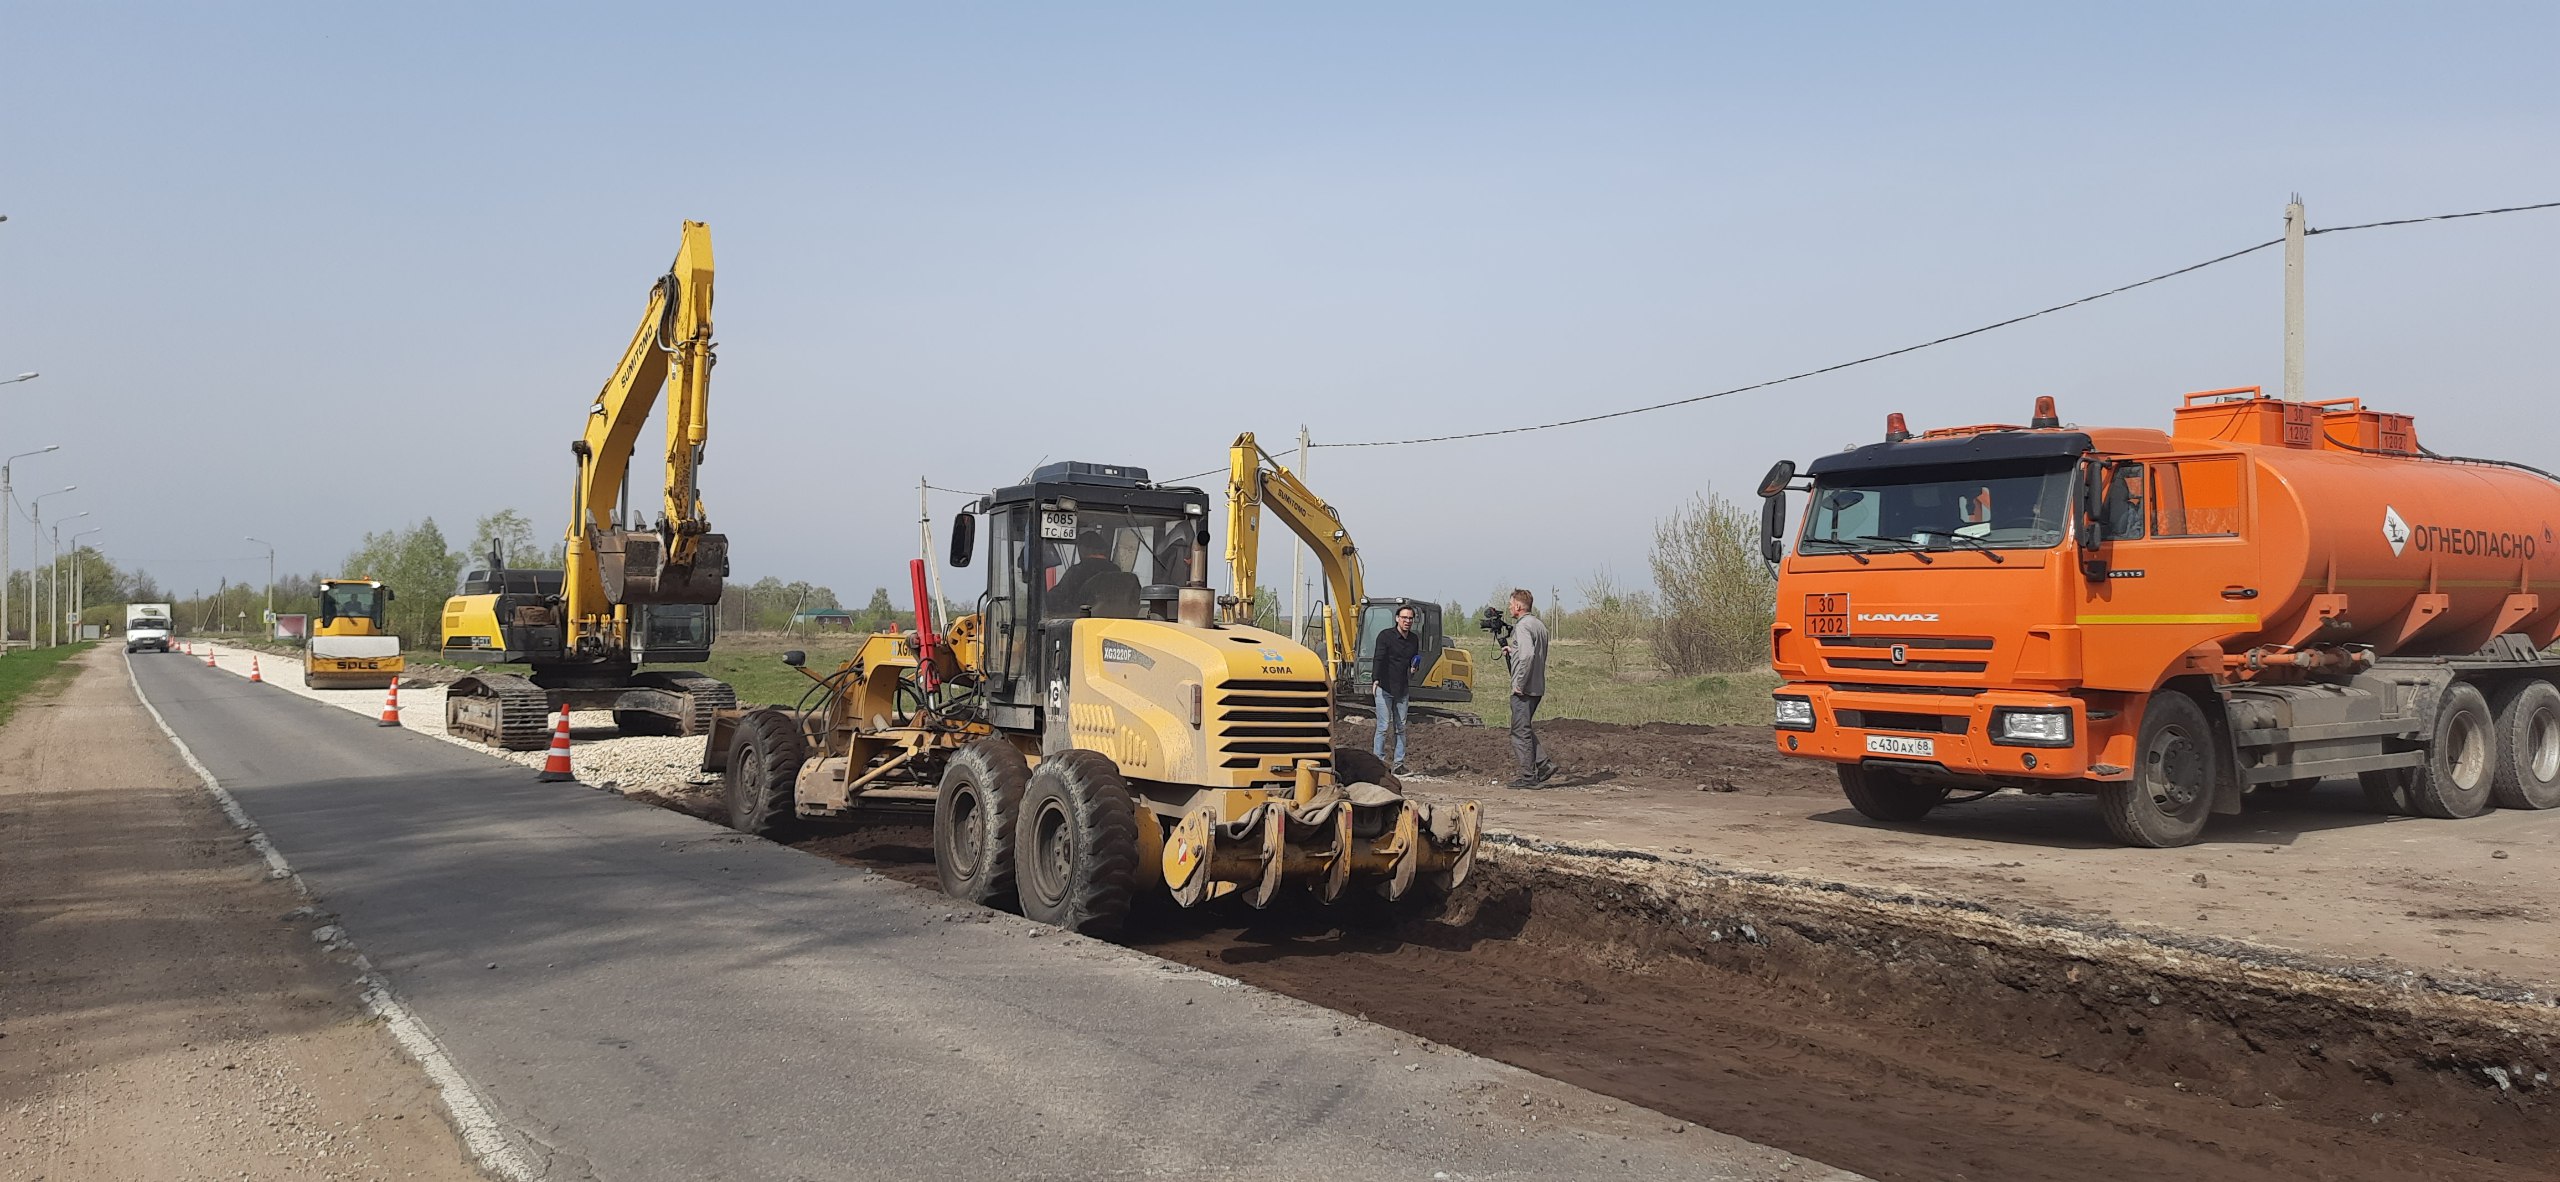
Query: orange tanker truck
[{"x": 2270, "y": 593}]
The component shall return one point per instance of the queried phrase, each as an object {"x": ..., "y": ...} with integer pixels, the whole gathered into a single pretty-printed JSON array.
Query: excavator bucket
[
  {"x": 636, "y": 570},
  {"x": 1328, "y": 839}
]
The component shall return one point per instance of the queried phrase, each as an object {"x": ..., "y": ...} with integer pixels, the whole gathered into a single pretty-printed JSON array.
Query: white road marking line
[{"x": 470, "y": 1113}]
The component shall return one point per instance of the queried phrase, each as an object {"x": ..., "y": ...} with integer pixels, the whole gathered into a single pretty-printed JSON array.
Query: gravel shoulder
[{"x": 164, "y": 1013}]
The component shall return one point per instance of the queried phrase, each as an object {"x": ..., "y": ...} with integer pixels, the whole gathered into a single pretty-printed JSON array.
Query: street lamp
[
  {"x": 5, "y": 555},
  {"x": 28, "y": 376},
  {"x": 35, "y": 551},
  {"x": 53, "y": 584},
  {"x": 271, "y": 577},
  {"x": 76, "y": 597}
]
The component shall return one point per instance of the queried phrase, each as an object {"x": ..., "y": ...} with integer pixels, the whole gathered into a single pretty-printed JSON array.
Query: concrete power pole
[
  {"x": 1297, "y": 559},
  {"x": 2293, "y": 299}
]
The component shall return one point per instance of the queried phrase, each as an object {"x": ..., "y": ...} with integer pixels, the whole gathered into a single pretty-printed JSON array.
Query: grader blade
[{"x": 1366, "y": 835}]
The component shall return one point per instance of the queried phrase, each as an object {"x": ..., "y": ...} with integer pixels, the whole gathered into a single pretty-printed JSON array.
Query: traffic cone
[
  {"x": 555, "y": 766},
  {"x": 253, "y": 668},
  {"x": 391, "y": 705},
  {"x": 208, "y": 657}
]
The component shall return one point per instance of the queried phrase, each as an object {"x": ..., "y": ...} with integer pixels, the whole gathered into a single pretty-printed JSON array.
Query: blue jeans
[{"x": 1391, "y": 713}]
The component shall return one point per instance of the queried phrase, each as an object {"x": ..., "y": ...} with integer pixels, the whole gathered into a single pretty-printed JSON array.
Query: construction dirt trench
[{"x": 1906, "y": 1032}]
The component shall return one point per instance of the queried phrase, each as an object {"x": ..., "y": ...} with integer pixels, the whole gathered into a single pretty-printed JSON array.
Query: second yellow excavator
[
  {"x": 630, "y": 594},
  {"x": 1350, "y": 621}
]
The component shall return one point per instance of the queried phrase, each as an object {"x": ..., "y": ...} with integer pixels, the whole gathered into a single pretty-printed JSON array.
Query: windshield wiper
[
  {"x": 1967, "y": 539},
  {"x": 1845, "y": 548},
  {"x": 1914, "y": 549}
]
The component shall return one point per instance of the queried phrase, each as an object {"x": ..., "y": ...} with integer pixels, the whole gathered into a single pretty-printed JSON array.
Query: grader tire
[
  {"x": 1883, "y": 794},
  {"x": 1352, "y": 765},
  {"x": 2528, "y": 730},
  {"x": 1076, "y": 849},
  {"x": 973, "y": 822},
  {"x": 764, "y": 761}
]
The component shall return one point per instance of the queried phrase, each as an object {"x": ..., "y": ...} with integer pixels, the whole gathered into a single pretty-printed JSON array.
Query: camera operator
[{"x": 1526, "y": 652}]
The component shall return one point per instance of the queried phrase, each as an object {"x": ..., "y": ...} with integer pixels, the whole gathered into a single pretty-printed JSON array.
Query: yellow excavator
[
  {"x": 1349, "y": 622},
  {"x": 350, "y": 646},
  {"x": 631, "y": 594},
  {"x": 1092, "y": 733}
]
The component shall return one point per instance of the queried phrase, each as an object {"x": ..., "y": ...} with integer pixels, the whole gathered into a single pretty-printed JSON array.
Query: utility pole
[
  {"x": 932, "y": 561},
  {"x": 53, "y": 630},
  {"x": 271, "y": 576},
  {"x": 2293, "y": 299},
  {"x": 8, "y": 509},
  {"x": 1297, "y": 559},
  {"x": 76, "y": 591}
]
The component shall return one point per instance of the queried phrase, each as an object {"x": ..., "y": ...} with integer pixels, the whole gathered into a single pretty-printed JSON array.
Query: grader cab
[{"x": 1092, "y": 733}]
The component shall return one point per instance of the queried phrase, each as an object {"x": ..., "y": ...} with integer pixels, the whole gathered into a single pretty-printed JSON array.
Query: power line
[{"x": 1951, "y": 337}]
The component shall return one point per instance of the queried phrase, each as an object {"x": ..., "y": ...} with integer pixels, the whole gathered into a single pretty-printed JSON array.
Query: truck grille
[{"x": 1261, "y": 723}]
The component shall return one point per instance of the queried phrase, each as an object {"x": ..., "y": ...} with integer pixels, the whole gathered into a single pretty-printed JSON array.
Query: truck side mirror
[
  {"x": 964, "y": 538},
  {"x": 388, "y": 595},
  {"x": 1773, "y": 520},
  {"x": 2089, "y": 503},
  {"x": 1780, "y": 475}
]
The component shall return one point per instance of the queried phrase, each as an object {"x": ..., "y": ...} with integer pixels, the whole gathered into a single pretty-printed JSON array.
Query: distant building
[{"x": 834, "y": 618}]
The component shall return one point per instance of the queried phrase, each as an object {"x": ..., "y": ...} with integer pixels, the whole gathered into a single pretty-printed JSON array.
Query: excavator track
[
  {"x": 704, "y": 697},
  {"x": 500, "y": 710}
]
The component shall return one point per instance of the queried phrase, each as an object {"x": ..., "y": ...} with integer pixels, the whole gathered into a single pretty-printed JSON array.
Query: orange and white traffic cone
[
  {"x": 391, "y": 705},
  {"x": 208, "y": 657},
  {"x": 253, "y": 668},
  {"x": 555, "y": 766}
]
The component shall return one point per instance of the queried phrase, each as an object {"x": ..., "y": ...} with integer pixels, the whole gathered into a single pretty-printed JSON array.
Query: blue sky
[{"x": 303, "y": 271}]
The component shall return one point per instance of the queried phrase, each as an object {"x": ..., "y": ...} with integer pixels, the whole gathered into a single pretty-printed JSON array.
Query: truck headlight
[
  {"x": 1794, "y": 714},
  {"x": 2015, "y": 727}
]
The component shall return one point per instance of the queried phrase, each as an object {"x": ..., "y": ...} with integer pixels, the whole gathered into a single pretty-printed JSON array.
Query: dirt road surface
[
  {"x": 163, "y": 1014},
  {"x": 2318, "y": 874}
]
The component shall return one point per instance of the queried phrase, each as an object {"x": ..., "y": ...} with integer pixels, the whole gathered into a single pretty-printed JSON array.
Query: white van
[{"x": 146, "y": 625}]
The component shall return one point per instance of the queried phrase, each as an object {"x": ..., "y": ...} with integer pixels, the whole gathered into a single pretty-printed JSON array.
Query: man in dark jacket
[{"x": 1396, "y": 655}]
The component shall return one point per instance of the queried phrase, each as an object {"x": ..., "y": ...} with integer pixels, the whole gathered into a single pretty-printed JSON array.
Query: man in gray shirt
[{"x": 1527, "y": 654}]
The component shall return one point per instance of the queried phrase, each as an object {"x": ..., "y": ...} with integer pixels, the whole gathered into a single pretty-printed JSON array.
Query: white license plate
[{"x": 1898, "y": 745}]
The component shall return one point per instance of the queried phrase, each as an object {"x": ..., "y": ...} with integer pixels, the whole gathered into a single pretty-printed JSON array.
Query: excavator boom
[{"x": 1254, "y": 481}]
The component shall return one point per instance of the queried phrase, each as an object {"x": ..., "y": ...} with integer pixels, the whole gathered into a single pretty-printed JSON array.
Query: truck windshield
[{"x": 2013, "y": 506}]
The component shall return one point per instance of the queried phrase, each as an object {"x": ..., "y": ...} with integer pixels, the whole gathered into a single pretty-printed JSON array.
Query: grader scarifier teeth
[{"x": 1365, "y": 835}]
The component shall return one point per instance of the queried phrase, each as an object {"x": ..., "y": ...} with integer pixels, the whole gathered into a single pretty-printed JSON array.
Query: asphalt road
[{"x": 640, "y": 995}]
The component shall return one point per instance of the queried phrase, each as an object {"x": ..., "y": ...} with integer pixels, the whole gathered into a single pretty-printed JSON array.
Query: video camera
[{"x": 1492, "y": 621}]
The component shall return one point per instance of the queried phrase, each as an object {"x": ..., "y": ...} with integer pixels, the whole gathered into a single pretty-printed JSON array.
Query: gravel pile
[{"x": 598, "y": 755}]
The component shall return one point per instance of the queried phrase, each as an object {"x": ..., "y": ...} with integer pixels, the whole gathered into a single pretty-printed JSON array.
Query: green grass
[
  {"x": 26, "y": 671},
  {"x": 752, "y": 664},
  {"x": 1581, "y": 685}
]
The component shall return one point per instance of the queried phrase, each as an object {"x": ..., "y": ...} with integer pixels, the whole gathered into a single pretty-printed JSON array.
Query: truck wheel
[
  {"x": 764, "y": 761},
  {"x": 2170, "y": 796},
  {"x": 1352, "y": 765},
  {"x": 2528, "y": 732},
  {"x": 1076, "y": 851},
  {"x": 2461, "y": 765},
  {"x": 974, "y": 819},
  {"x": 1883, "y": 794}
]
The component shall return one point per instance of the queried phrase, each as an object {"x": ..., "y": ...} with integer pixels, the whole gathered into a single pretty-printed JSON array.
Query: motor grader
[{"x": 1091, "y": 733}]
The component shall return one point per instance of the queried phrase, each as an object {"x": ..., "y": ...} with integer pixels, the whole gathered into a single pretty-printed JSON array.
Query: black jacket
[{"x": 1396, "y": 655}]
